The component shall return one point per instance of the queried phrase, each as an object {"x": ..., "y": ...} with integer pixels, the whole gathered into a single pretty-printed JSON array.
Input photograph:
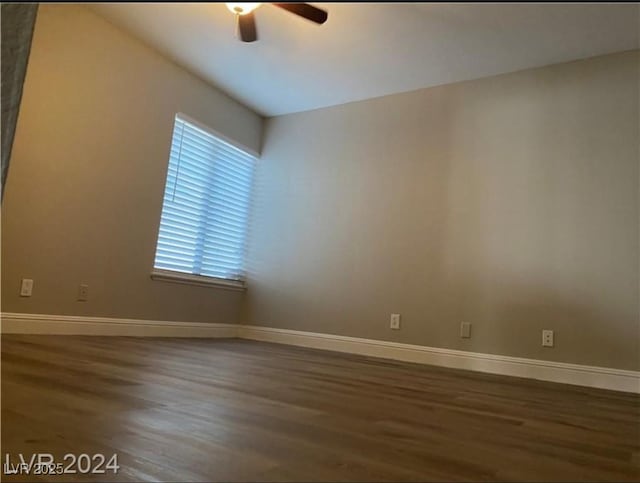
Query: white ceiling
[{"x": 371, "y": 50}]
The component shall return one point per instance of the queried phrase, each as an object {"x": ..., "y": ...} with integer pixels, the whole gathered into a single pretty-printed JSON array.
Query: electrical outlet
[
  {"x": 26, "y": 287},
  {"x": 547, "y": 338},
  {"x": 395, "y": 322},
  {"x": 83, "y": 293},
  {"x": 465, "y": 330}
]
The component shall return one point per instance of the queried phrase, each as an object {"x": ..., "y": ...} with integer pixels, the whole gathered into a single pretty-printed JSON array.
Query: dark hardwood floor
[{"x": 232, "y": 410}]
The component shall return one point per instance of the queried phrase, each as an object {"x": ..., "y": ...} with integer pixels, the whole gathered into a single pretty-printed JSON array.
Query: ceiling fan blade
[
  {"x": 246, "y": 28},
  {"x": 305, "y": 10}
]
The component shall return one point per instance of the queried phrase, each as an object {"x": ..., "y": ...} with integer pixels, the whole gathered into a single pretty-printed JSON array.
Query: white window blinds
[{"x": 206, "y": 202}]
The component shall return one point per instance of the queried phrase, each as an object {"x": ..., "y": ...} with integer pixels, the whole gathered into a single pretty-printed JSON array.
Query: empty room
[{"x": 328, "y": 242}]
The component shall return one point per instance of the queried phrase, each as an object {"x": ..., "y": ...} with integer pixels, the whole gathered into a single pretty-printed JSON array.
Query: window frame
[{"x": 164, "y": 275}]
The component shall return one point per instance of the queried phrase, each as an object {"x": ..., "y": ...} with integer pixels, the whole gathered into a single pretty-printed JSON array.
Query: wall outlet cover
[
  {"x": 547, "y": 338},
  {"x": 83, "y": 292},
  {"x": 26, "y": 287}
]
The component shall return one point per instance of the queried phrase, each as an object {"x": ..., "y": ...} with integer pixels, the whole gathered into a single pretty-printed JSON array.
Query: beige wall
[
  {"x": 84, "y": 193},
  {"x": 509, "y": 202}
]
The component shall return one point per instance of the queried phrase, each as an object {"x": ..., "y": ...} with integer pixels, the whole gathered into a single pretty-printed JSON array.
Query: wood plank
[{"x": 237, "y": 410}]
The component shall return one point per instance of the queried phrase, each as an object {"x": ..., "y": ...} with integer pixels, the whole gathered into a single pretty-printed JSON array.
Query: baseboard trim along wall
[
  {"x": 591, "y": 376},
  {"x": 576, "y": 374},
  {"x": 12, "y": 323}
]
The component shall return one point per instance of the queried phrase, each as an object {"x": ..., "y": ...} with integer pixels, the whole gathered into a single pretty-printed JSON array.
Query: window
[{"x": 205, "y": 208}]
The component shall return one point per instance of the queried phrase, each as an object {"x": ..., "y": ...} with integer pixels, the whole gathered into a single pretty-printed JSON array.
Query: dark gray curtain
[{"x": 18, "y": 20}]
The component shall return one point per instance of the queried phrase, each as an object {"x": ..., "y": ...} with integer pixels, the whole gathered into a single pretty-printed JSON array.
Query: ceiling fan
[{"x": 246, "y": 23}]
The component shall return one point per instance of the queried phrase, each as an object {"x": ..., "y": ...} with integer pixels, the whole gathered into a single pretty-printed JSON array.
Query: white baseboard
[
  {"x": 591, "y": 376},
  {"x": 12, "y": 323},
  {"x": 581, "y": 375}
]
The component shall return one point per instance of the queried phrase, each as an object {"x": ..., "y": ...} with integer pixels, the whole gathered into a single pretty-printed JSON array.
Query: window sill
[{"x": 185, "y": 278}]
